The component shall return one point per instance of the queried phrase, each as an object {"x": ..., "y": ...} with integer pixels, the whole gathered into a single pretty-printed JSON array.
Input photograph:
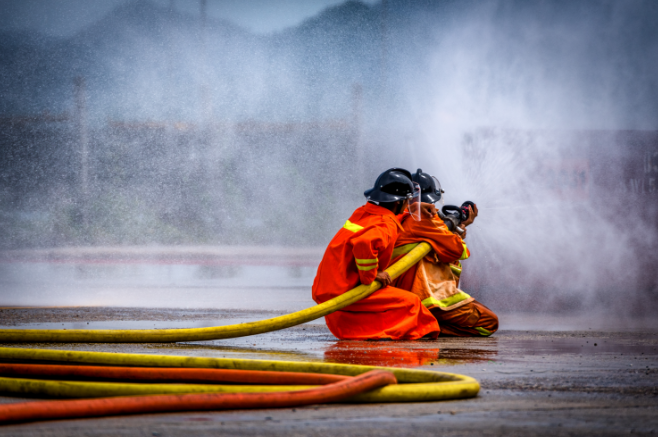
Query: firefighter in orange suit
[
  {"x": 435, "y": 279},
  {"x": 359, "y": 253}
]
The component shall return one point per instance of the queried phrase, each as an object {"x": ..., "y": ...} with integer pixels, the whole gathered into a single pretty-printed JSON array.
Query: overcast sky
[{"x": 65, "y": 17}]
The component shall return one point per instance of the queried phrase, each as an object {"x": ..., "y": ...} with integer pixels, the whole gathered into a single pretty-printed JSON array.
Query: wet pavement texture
[{"x": 584, "y": 382}]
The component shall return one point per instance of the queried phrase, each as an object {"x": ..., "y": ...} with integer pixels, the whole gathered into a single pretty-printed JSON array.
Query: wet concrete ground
[{"x": 591, "y": 381}]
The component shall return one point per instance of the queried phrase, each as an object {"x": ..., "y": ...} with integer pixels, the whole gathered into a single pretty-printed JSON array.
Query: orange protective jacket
[
  {"x": 357, "y": 252},
  {"x": 436, "y": 277}
]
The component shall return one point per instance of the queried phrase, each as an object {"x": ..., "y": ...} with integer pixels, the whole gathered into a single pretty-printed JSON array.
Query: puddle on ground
[
  {"x": 390, "y": 354},
  {"x": 313, "y": 342},
  {"x": 401, "y": 354},
  {"x": 411, "y": 354},
  {"x": 461, "y": 356},
  {"x": 588, "y": 345}
]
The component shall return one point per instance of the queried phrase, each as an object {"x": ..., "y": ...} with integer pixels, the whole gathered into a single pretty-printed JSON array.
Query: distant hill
[
  {"x": 298, "y": 122},
  {"x": 411, "y": 57},
  {"x": 140, "y": 61}
]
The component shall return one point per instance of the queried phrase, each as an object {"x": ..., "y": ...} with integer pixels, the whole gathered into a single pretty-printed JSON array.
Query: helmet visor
[
  {"x": 438, "y": 192},
  {"x": 413, "y": 202}
]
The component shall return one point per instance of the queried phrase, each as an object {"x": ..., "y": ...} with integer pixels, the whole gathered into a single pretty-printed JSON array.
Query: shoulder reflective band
[
  {"x": 403, "y": 249},
  {"x": 352, "y": 226},
  {"x": 483, "y": 331},
  {"x": 465, "y": 252},
  {"x": 448, "y": 301}
]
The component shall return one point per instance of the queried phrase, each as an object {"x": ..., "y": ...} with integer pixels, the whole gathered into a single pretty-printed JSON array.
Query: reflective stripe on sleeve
[
  {"x": 366, "y": 268},
  {"x": 366, "y": 261},
  {"x": 448, "y": 301},
  {"x": 403, "y": 249},
  {"x": 465, "y": 252},
  {"x": 352, "y": 226},
  {"x": 457, "y": 270}
]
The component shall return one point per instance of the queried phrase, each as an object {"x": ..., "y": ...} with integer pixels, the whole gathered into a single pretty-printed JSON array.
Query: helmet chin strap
[{"x": 399, "y": 207}]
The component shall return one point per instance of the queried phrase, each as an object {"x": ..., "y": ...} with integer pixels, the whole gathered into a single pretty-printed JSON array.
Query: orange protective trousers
[{"x": 462, "y": 321}]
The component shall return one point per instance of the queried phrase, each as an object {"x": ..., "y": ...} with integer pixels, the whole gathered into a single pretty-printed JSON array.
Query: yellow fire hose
[
  {"x": 212, "y": 333},
  {"x": 413, "y": 385}
]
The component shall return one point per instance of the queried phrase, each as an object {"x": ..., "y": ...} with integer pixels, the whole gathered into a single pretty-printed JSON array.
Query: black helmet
[
  {"x": 392, "y": 185},
  {"x": 430, "y": 188}
]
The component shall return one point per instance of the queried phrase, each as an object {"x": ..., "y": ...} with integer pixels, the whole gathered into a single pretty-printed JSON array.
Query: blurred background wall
[{"x": 159, "y": 123}]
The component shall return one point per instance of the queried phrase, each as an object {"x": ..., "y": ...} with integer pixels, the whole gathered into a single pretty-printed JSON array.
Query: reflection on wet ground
[
  {"x": 313, "y": 341},
  {"x": 584, "y": 345},
  {"x": 460, "y": 356},
  {"x": 402, "y": 354},
  {"x": 507, "y": 347},
  {"x": 411, "y": 354}
]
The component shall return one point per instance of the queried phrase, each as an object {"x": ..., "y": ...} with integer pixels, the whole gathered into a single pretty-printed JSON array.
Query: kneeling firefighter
[
  {"x": 360, "y": 252},
  {"x": 435, "y": 278}
]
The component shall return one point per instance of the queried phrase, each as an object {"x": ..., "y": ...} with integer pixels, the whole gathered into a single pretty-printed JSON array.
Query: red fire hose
[
  {"x": 169, "y": 374},
  {"x": 44, "y": 410}
]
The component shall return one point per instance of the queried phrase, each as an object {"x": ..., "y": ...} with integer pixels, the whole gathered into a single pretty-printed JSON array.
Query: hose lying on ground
[
  {"x": 167, "y": 374},
  {"x": 417, "y": 385},
  {"x": 212, "y": 333},
  {"x": 334, "y": 392},
  {"x": 414, "y": 385}
]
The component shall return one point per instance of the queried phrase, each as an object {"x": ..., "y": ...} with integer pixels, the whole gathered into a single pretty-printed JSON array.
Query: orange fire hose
[
  {"x": 44, "y": 410},
  {"x": 169, "y": 374}
]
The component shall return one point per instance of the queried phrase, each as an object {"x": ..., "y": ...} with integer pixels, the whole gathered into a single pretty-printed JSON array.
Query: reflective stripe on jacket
[{"x": 357, "y": 252}]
